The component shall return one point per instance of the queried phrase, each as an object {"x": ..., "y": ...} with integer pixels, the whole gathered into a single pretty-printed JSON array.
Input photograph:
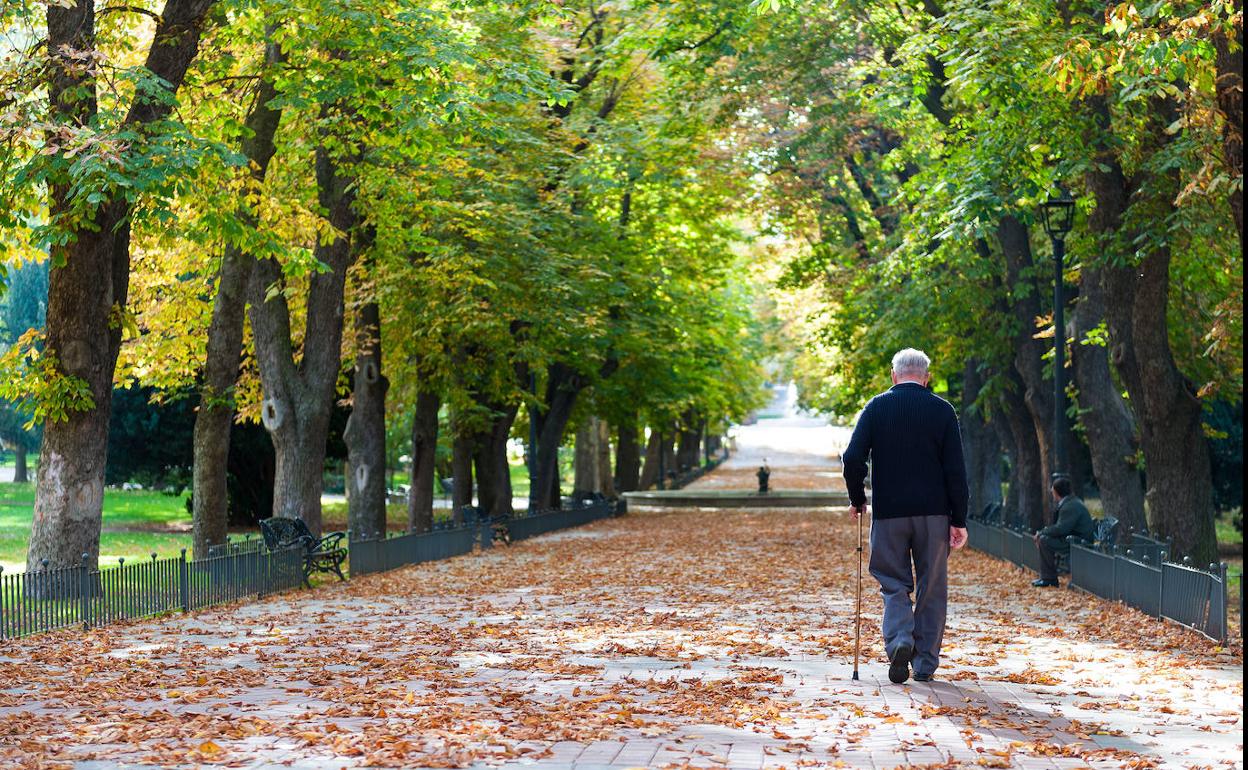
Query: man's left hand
[{"x": 957, "y": 537}]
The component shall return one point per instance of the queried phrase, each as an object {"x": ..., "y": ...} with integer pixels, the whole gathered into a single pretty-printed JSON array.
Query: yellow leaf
[{"x": 209, "y": 749}]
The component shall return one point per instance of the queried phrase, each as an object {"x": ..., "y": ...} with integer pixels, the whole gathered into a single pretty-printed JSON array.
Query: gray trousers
[
  {"x": 895, "y": 545},
  {"x": 1049, "y": 548}
]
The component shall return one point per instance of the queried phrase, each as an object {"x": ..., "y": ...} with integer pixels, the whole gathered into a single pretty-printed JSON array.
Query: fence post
[
  {"x": 84, "y": 591},
  {"x": 1226, "y": 632},
  {"x": 1161, "y": 582},
  {"x": 184, "y": 582}
]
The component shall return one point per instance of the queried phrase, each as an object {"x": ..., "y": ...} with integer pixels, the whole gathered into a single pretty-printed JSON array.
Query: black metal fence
[
  {"x": 86, "y": 596},
  {"x": 1135, "y": 573},
  {"x": 379, "y": 552},
  {"x": 681, "y": 480},
  {"x": 522, "y": 527}
]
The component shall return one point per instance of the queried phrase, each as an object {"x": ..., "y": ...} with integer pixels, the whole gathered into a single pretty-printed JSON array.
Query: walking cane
[{"x": 858, "y": 601}]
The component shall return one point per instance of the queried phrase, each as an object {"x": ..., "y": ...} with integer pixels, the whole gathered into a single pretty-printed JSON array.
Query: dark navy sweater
[{"x": 911, "y": 437}]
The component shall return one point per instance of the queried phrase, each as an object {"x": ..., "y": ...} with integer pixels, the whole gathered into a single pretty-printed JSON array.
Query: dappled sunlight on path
[
  {"x": 708, "y": 639},
  {"x": 803, "y": 452}
]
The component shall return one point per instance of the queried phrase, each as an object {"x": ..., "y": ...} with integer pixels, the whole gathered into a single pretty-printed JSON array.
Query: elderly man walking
[{"x": 919, "y": 493}]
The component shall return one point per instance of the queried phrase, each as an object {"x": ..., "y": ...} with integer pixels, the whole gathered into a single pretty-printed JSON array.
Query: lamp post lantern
[{"x": 1058, "y": 213}]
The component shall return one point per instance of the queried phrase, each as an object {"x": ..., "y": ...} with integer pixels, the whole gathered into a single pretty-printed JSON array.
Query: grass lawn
[
  {"x": 140, "y": 523},
  {"x": 1227, "y": 533},
  {"x": 136, "y": 524},
  {"x": 519, "y": 478}
]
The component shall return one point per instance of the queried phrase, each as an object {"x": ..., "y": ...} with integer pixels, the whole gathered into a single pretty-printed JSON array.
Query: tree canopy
[{"x": 550, "y": 215}]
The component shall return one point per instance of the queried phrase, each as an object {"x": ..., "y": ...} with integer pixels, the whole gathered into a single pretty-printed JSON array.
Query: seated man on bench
[{"x": 1071, "y": 518}]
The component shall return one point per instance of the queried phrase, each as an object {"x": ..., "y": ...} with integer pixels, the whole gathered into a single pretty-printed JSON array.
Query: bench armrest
[{"x": 330, "y": 542}]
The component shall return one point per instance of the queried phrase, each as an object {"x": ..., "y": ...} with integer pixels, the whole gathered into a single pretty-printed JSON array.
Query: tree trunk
[
  {"x": 211, "y": 442},
  {"x": 606, "y": 480},
  {"x": 562, "y": 388},
  {"x": 714, "y": 443},
  {"x": 1005, "y": 438},
  {"x": 690, "y": 441},
  {"x": 979, "y": 439},
  {"x": 424, "y": 458},
  {"x": 365, "y": 434},
  {"x": 1176, "y": 456},
  {"x": 1230, "y": 93},
  {"x": 89, "y": 281},
  {"x": 299, "y": 397},
  {"x": 628, "y": 457},
  {"x": 667, "y": 456},
  {"x": 1027, "y": 481},
  {"x": 650, "y": 472},
  {"x": 585, "y": 464},
  {"x": 461, "y": 468},
  {"x": 493, "y": 470},
  {"x": 1024, "y": 292},
  {"x": 1106, "y": 420},
  {"x": 21, "y": 474}
]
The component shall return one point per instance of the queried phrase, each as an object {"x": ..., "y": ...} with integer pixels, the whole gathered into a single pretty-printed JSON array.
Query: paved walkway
[
  {"x": 691, "y": 639},
  {"x": 803, "y": 452}
]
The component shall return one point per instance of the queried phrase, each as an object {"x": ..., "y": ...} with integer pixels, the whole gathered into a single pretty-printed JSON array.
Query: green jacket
[{"x": 1072, "y": 519}]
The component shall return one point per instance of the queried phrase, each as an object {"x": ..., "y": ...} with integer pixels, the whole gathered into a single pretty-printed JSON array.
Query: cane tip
[{"x": 855, "y": 676}]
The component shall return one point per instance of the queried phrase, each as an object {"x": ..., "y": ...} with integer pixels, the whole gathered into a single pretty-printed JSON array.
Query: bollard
[
  {"x": 84, "y": 591},
  {"x": 184, "y": 582}
]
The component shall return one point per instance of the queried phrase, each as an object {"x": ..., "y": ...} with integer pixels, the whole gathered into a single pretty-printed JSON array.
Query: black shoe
[
  {"x": 922, "y": 677},
  {"x": 899, "y": 669},
  {"x": 1042, "y": 583}
]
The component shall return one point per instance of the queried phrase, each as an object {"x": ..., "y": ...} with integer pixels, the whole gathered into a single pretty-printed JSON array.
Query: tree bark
[
  {"x": 606, "y": 480},
  {"x": 89, "y": 282},
  {"x": 211, "y": 441},
  {"x": 1027, "y": 480},
  {"x": 667, "y": 454},
  {"x": 490, "y": 457},
  {"x": 1229, "y": 62},
  {"x": 563, "y": 385},
  {"x": 586, "y": 481},
  {"x": 299, "y": 397},
  {"x": 1176, "y": 456},
  {"x": 689, "y": 443},
  {"x": 650, "y": 471},
  {"x": 1106, "y": 420},
  {"x": 981, "y": 448},
  {"x": 21, "y": 474},
  {"x": 714, "y": 442},
  {"x": 628, "y": 456},
  {"x": 424, "y": 459},
  {"x": 461, "y": 468},
  {"x": 1025, "y": 294},
  {"x": 1005, "y": 438},
  {"x": 365, "y": 434}
]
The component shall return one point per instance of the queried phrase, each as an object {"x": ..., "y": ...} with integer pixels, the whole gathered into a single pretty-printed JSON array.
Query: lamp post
[{"x": 1059, "y": 215}]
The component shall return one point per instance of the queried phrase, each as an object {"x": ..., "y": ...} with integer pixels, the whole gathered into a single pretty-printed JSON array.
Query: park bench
[
  {"x": 584, "y": 499},
  {"x": 1104, "y": 537},
  {"x": 474, "y": 516},
  {"x": 325, "y": 554},
  {"x": 992, "y": 514}
]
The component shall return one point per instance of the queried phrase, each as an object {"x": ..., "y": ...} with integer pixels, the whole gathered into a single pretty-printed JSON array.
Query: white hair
[{"x": 911, "y": 363}]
